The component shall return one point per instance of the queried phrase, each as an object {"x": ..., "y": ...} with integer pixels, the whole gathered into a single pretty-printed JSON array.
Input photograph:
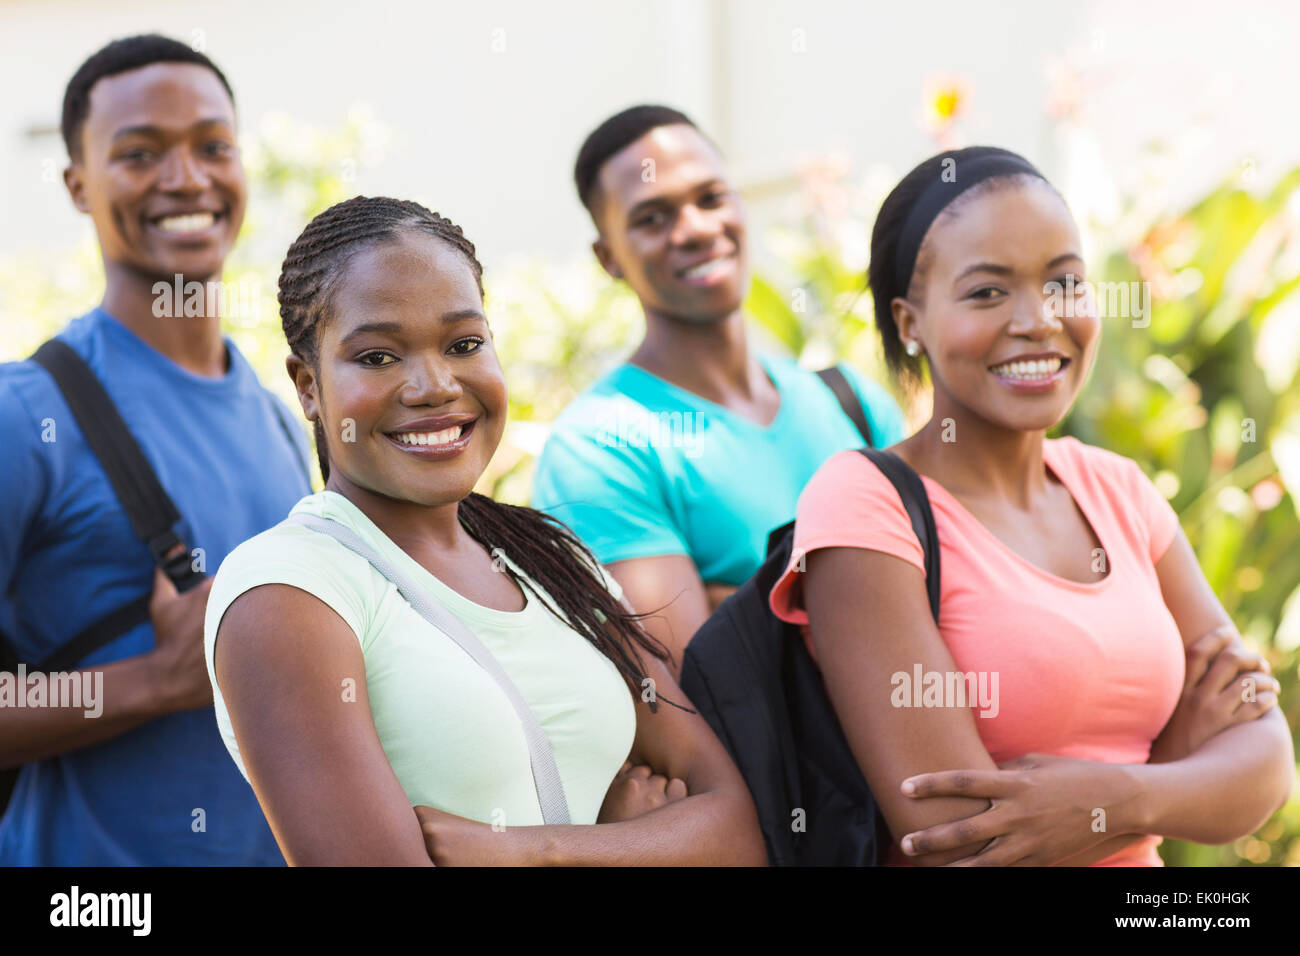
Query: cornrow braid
[{"x": 546, "y": 551}]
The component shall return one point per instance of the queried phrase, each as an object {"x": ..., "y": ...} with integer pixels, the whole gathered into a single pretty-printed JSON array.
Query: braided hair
[{"x": 546, "y": 551}]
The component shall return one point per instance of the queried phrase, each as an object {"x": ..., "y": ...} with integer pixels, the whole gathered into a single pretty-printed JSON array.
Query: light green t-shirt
[{"x": 450, "y": 734}]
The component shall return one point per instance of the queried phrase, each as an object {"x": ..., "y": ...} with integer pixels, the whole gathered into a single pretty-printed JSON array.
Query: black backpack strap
[
  {"x": 839, "y": 385},
  {"x": 147, "y": 505},
  {"x": 912, "y": 492}
]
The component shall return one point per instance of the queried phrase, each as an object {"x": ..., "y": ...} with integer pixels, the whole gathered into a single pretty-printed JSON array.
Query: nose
[
  {"x": 1036, "y": 316},
  {"x": 695, "y": 226},
  {"x": 430, "y": 381},
  {"x": 182, "y": 173}
]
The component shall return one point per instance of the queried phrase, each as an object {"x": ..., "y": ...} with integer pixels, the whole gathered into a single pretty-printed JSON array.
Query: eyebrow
[
  {"x": 653, "y": 201},
  {"x": 146, "y": 129},
  {"x": 1007, "y": 270},
  {"x": 395, "y": 328}
]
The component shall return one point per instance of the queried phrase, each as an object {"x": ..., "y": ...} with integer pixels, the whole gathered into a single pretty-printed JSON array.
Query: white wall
[{"x": 489, "y": 138}]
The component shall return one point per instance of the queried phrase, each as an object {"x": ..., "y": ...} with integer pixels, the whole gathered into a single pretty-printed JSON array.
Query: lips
[
  {"x": 1031, "y": 369},
  {"x": 434, "y": 438},
  {"x": 1032, "y": 374},
  {"x": 188, "y": 224},
  {"x": 708, "y": 271},
  {"x": 444, "y": 437}
]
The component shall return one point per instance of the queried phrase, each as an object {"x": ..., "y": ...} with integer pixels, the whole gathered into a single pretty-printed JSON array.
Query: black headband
[{"x": 936, "y": 197}]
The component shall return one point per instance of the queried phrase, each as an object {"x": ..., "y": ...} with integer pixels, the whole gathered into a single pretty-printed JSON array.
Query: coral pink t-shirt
[{"x": 1092, "y": 671}]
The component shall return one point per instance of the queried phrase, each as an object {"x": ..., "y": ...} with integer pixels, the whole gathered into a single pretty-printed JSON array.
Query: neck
[
  {"x": 191, "y": 341},
  {"x": 711, "y": 359},
  {"x": 974, "y": 458},
  {"x": 413, "y": 527}
]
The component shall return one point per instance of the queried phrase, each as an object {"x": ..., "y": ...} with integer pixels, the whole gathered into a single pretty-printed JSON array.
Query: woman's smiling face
[
  {"x": 408, "y": 387},
  {"x": 1000, "y": 339}
]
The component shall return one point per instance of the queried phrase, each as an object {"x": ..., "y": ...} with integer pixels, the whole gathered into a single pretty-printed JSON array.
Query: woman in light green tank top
[{"x": 369, "y": 736}]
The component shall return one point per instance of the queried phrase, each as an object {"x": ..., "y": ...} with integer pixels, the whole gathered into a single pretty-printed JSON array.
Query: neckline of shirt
[
  {"x": 236, "y": 376},
  {"x": 1049, "y": 453},
  {"x": 769, "y": 366},
  {"x": 441, "y": 591}
]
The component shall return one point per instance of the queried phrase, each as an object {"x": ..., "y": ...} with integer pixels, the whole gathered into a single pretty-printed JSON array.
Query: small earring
[{"x": 913, "y": 349}]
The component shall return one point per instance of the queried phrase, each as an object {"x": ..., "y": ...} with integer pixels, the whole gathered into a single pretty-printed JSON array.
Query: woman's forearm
[
  {"x": 713, "y": 828},
  {"x": 1224, "y": 790}
]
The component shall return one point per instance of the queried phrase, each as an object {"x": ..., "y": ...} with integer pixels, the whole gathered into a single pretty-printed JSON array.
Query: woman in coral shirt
[{"x": 1079, "y": 648}]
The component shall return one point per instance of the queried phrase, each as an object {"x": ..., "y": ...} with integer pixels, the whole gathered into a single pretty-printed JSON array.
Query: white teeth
[
  {"x": 444, "y": 437},
  {"x": 706, "y": 269},
  {"x": 1039, "y": 368},
  {"x": 192, "y": 222}
]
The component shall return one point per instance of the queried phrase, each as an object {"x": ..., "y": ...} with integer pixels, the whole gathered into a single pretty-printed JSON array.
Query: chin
[
  {"x": 1028, "y": 422},
  {"x": 191, "y": 269},
  {"x": 702, "y": 314}
]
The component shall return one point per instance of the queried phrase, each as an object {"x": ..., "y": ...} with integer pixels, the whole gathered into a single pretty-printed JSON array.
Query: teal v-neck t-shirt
[{"x": 639, "y": 467}]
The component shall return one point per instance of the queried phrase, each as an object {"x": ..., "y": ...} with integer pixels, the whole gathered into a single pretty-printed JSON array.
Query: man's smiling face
[
  {"x": 159, "y": 171},
  {"x": 671, "y": 226}
]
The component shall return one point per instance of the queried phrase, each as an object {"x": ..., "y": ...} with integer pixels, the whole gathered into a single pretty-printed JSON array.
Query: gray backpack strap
[{"x": 546, "y": 776}]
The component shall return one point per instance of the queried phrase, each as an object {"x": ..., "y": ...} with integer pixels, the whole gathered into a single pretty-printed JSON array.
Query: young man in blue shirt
[
  {"x": 674, "y": 467},
  {"x": 150, "y": 129}
]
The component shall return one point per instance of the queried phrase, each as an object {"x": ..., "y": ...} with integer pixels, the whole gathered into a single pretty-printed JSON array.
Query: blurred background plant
[{"x": 1203, "y": 392}]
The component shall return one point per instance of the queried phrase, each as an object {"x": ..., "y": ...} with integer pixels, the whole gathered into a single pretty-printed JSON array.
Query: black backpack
[
  {"x": 751, "y": 677},
  {"x": 150, "y": 509}
]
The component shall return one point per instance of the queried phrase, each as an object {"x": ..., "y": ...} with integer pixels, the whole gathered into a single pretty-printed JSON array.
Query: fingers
[
  {"x": 1262, "y": 696},
  {"x": 165, "y": 591},
  {"x": 676, "y": 789},
  {"x": 971, "y": 831},
  {"x": 162, "y": 586},
  {"x": 1203, "y": 651},
  {"x": 960, "y": 783},
  {"x": 1222, "y": 670}
]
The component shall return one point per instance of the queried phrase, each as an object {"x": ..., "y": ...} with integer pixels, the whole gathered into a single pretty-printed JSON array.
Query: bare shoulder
[{"x": 279, "y": 625}]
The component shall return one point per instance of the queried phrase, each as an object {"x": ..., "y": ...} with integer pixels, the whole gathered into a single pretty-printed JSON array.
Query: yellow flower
[{"x": 945, "y": 99}]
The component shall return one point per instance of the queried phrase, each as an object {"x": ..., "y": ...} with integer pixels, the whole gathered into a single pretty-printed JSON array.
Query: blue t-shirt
[
  {"x": 638, "y": 467},
  {"x": 165, "y": 792}
]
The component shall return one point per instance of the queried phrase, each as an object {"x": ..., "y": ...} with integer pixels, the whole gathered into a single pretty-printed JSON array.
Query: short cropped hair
[
  {"x": 120, "y": 56},
  {"x": 614, "y": 134}
]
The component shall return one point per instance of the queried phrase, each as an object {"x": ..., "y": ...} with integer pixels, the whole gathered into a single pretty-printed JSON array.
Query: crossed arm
[
  {"x": 1220, "y": 771},
  {"x": 331, "y": 797}
]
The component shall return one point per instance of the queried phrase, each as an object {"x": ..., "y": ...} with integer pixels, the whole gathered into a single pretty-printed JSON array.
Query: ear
[
  {"x": 304, "y": 380},
  {"x": 606, "y": 258},
  {"x": 905, "y": 317},
  {"x": 72, "y": 178}
]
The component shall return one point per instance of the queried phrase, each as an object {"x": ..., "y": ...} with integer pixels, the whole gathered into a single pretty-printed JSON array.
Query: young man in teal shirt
[{"x": 674, "y": 467}]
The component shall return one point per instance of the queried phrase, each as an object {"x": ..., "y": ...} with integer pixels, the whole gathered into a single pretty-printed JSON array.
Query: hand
[
  {"x": 1043, "y": 810},
  {"x": 1221, "y": 673},
  {"x": 457, "y": 841},
  {"x": 636, "y": 791},
  {"x": 180, "y": 671}
]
